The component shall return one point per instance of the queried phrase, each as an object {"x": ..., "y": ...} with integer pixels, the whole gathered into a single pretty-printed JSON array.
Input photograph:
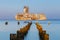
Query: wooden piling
[
  {"x": 42, "y": 33},
  {"x": 20, "y": 33}
]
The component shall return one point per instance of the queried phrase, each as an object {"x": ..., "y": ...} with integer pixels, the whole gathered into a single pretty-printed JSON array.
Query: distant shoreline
[{"x": 31, "y": 20}]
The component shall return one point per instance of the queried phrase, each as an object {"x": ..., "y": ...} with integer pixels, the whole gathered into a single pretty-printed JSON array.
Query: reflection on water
[{"x": 12, "y": 27}]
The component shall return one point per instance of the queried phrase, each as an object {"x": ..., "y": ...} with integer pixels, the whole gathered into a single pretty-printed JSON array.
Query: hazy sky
[{"x": 9, "y": 8}]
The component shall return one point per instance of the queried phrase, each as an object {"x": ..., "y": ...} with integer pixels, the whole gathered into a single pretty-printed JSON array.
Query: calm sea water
[{"x": 53, "y": 29}]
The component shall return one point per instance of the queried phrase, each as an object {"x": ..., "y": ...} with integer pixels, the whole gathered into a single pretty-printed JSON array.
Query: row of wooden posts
[
  {"x": 20, "y": 33},
  {"x": 42, "y": 33},
  {"x": 23, "y": 32}
]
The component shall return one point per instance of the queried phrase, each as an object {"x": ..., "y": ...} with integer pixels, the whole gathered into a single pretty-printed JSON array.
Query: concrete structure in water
[
  {"x": 23, "y": 32},
  {"x": 30, "y": 16}
]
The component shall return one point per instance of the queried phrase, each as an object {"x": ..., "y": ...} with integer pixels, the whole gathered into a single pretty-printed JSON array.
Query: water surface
[{"x": 53, "y": 29}]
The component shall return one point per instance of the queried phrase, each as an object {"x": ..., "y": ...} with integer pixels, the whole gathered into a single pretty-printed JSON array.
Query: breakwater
[
  {"x": 20, "y": 33},
  {"x": 24, "y": 31},
  {"x": 42, "y": 33}
]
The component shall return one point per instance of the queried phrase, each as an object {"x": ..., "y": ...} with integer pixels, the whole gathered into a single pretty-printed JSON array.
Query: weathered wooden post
[{"x": 42, "y": 33}]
